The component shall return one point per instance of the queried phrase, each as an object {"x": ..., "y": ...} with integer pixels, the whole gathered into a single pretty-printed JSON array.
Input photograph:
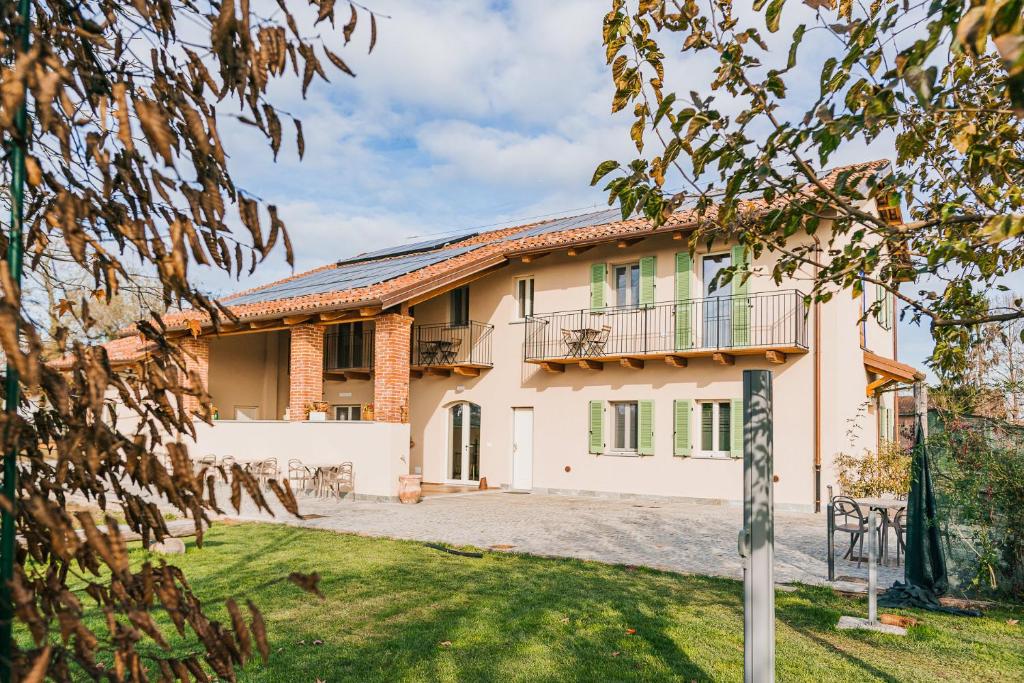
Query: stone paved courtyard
[{"x": 677, "y": 536}]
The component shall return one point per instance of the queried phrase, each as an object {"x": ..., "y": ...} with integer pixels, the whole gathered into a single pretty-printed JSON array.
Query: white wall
[{"x": 379, "y": 452}]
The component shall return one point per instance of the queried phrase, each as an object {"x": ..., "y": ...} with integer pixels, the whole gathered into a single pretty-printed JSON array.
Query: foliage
[
  {"x": 875, "y": 473},
  {"x": 399, "y": 611},
  {"x": 978, "y": 472},
  {"x": 126, "y": 170},
  {"x": 993, "y": 384},
  {"x": 943, "y": 80}
]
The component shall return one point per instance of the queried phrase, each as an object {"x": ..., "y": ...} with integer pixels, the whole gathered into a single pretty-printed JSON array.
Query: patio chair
[
  {"x": 265, "y": 470},
  {"x": 428, "y": 352},
  {"x": 597, "y": 344},
  {"x": 227, "y": 462},
  {"x": 449, "y": 350},
  {"x": 849, "y": 519},
  {"x": 335, "y": 480},
  {"x": 572, "y": 342},
  {"x": 300, "y": 477},
  {"x": 899, "y": 523}
]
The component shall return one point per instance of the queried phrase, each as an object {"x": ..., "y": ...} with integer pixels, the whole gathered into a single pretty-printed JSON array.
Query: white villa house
[{"x": 588, "y": 355}]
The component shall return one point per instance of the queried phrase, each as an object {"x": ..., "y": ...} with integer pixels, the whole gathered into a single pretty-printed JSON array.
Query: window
[
  {"x": 626, "y": 279},
  {"x": 458, "y": 303},
  {"x": 348, "y": 413},
  {"x": 625, "y": 425},
  {"x": 715, "y": 428},
  {"x": 524, "y": 297},
  {"x": 351, "y": 347},
  {"x": 245, "y": 413}
]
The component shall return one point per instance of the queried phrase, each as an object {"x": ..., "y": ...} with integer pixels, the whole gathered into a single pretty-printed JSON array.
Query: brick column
[
  {"x": 197, "y": 361},
  {"x": 306, "y": 370},
  {"x": 391, "y": 339}
]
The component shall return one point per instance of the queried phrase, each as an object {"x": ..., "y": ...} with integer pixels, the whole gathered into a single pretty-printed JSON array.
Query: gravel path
[{"x": 677, "y": 536}]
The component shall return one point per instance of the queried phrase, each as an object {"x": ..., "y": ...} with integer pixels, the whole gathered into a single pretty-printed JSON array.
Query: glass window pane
[
  {"x": 620, "y": 426},
  {"x": 631, "y": 409},
  {"x": 620, "y": 286},
  {"x": 355, "y": 413},
  {"x": 634, "y": 285},
  {"x": 529, "y": 297},
  {"x": 707, "y": 431},
  {"x": 724, "y": 426}
]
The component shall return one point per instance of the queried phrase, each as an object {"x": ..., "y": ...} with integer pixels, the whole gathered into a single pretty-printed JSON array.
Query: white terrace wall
[{"x": 379, "y": 452}]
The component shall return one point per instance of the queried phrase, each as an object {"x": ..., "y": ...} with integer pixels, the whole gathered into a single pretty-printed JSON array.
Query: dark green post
[{"x": 14, "y": 262}]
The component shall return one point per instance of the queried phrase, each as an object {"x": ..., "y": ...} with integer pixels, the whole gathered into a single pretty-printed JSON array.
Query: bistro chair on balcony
[
  {"x": 448, "y": 350},
  {"x": 573, "y": 342},
  {"x": 429, "y": 352},
  {"x": 596, "y": 344},
  {"x": 300, "y": 478}
]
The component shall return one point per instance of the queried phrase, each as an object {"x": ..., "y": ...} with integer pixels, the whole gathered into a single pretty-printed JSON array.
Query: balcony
[
  {"x": 444, "y": 348},
  {"x": 348, "y": 351},
  {"x": 772, "y": 324}
]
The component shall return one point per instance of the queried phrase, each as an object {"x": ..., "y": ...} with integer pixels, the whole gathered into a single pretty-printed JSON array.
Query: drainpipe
[{"x": 817, "y": 384}]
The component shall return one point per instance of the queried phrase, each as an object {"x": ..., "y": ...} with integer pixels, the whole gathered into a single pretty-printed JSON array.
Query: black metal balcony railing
[
  {"x": 777, "y": 319},
  {"x": 448, "y": 344},
  {"x": 349, "y": 347}
]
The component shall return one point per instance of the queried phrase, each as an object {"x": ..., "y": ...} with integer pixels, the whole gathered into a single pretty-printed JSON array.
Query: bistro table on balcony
[{"x": 438, "y": 351}]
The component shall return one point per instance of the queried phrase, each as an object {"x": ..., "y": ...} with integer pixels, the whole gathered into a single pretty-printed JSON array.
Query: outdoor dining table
[
  {"x": 883, "y": 506},
  {"x": 585, "y": 341}
]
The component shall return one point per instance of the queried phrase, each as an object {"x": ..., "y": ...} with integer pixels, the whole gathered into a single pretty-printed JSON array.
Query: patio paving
[{"x": 676, "y": 536}]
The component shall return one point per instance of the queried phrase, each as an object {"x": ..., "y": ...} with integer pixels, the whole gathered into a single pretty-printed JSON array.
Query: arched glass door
[{"x": 464, "y": 442}]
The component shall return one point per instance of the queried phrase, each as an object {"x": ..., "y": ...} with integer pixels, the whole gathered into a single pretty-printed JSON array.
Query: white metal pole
[{"x": 872, "y": 567}]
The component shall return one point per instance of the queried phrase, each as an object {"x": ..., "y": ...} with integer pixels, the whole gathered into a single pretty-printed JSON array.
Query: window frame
[
  {"x": 349, "y": 408},
  {"x": 631, "y": 427},
  {"x": 458, "y": 308},
  {"x": 719, "y": 430},
  {"x": 524, "y": 282},
  {"x": 632, "y": 288}
]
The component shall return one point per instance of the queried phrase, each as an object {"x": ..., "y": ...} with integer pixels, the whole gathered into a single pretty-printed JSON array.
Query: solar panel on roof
[
  {"x": 572, "y": 222},
  {"x": 426, "y": 245},
  {"x": 349, "y": 276}
]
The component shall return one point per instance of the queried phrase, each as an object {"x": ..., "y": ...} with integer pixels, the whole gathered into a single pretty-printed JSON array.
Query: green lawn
[{"x": 398, "y": 611}]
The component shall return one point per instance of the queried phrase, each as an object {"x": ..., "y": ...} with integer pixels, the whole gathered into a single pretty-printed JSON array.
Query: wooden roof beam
[
  {"x": 576, "y": 251},
  {"x": 530, "y": 258},
  {"x": 625, "y": 243}
]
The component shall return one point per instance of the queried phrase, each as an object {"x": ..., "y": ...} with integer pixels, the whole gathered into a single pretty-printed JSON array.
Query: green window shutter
[
  {"x": 645, "y": 428},
  {"x": 681, "y": 440},
  {"x": 740, "y": 301},
  {"x": 598, "y": 277},
  {"x": 684, "y": 269},
  {"x": 648, "y": 273},
  {"x": 883, "y": 310},
  {"x": 597, "y": 427},
  {"x": 736, "y": 420}
]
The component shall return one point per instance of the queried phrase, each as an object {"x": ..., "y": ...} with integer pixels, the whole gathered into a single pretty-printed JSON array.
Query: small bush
[{"x": 885, "y": 472}]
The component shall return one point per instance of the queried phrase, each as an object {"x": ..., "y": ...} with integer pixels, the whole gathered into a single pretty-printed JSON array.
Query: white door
[{"x": 522, "y": 449}]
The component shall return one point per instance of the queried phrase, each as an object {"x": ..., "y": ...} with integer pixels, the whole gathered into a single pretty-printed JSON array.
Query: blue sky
[{"x": 466, "y": 114}]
